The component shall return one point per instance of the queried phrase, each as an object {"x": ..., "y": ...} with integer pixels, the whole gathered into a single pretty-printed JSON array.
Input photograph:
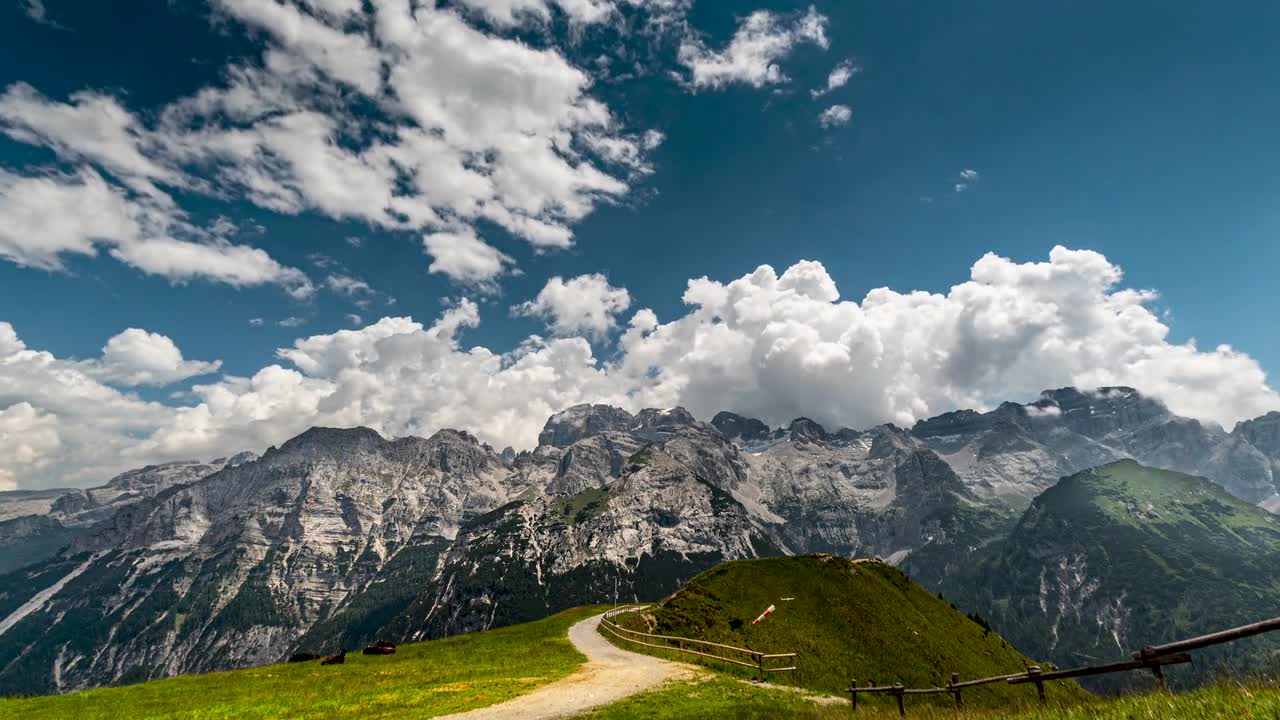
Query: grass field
[
  {"x": 728, "y": 698},
  {"x": 420, "y": 680}
]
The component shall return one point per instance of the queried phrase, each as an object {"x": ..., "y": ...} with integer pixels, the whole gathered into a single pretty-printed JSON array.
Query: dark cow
[
  {"x": 303, "y": 657},
  {"x": 377, "y": 649},
  {"x": 335, "y": 659}
]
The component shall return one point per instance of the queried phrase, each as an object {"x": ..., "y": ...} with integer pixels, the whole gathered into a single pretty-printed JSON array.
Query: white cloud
[
  {"x": 762, "y": 40},
  {"x": 585, "y": 304},
  {"x": 354, "y": 319},
  {"x": 1037, "y": 411},
  {"x": 967, "y": 178},
  {"x": 292, "y": 321},
  {"x": 465, "y": 258},
  {"x": 835, "y": 116},
  {"x": 469, "y": 128},
  {"x": 75, "y": 429},
  {"x": 779, "y": 347},
  {"x": 256, "y": 322},
  {"x": 840, "y": 76},
  {"x": 36, "y": 10},
  {"x": 514, "y": 12},
  {"x": 771, "y": 345},
  {"x": 44, "y": 218},
  {"x": 138, "y": 357},
  {"x": 347, "y": 285},
  {"x": 92, "y": 127},
  {"x": 28, "y": 438}
]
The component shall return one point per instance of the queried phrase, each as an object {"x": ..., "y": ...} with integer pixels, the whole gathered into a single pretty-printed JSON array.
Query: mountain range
[{"x": 340, "y": 535}]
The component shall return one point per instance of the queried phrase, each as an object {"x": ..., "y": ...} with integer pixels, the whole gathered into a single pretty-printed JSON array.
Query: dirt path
[{"x": 609, "y": 675}]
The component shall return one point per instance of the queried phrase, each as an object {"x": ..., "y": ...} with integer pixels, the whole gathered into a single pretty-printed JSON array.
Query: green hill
[
  {"x": 420, "y": 680},
  {"x": 1122, "y": 556},
  {"x": 847, "y": 619}
]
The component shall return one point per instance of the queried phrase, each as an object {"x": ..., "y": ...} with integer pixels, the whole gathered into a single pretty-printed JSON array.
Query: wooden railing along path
[
  {"x": 1149, "y": 658},
  {"x": 744, "y": 657}
]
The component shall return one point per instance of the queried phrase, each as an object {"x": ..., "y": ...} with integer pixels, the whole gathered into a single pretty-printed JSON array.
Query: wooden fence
[
  {"x": 742, "y": 657},
  {"x": 1149, "y": 658}
]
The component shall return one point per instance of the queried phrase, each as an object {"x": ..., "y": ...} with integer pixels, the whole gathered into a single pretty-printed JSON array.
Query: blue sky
[{"x": 1143, "y": 132}]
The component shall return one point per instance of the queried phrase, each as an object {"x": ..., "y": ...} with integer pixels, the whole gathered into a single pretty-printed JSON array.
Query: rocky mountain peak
[
  {"x": 657, "y": 425},
  {"x": 951, "y": 423},
  {"x": 803, "y": 428},
  {"x": 330, "y": 440},
  {"x": 151, "y": 475},
  {"x": 449, "y": 435},
  {"x": 887, "y": 439},
  {"x": 580, "y": 421},
  {"x": 736, "y": 427},
  {"x": 1262, "y": 432}
]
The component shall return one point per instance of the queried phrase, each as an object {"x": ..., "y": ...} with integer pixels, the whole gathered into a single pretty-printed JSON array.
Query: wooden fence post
[
  {"x": 1157, "y": 670},
  {"x": 853, "y": 694},
  {"x": 955, "y": 680},
  {"x": 1034, "y": 673},
  {"x": 898, "y": 691},
  {"x": 760, "y": 664}
]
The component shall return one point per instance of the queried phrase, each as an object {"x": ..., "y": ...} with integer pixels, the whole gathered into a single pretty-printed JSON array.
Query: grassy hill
[
  {"x": 1122, "y": 556},
  {"x": 420, "y": 680},
  {"x": 847, "y": 619}
]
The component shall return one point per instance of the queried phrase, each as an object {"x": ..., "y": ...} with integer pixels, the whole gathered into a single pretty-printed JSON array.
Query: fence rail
[
  {"x": 1153, "y": 658},
  {"x": 685, "y": 646}
]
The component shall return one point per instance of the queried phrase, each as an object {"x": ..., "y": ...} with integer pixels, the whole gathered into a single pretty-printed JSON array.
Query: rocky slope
[
  {"x": 1112, "y": 559},
  {"x": 1017, "y": 451},
  {"x": 36, "y": 525}
]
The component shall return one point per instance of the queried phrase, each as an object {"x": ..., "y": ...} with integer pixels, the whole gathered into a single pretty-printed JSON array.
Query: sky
[{"x": 223, "y": 222}]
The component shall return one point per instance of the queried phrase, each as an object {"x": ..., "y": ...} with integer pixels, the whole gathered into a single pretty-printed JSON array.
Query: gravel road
[{"x": 609, "y": 675}]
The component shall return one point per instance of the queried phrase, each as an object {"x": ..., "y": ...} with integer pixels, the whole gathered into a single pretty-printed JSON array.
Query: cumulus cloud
[
  {"x": 586, "y": 304},
  {"x": 138, "y": 357},
  {"x": 835, "y": 116},
  {"x": 762, "y": 40},
  {"x": 465, "y": 258},
  {"x": 73, "y": 428},
  {"x": 768, "y": 344},
  {"x": 782, "y": 346},
  {"x": 840, "y": 76},
  {"x": 28, "y": 437}
]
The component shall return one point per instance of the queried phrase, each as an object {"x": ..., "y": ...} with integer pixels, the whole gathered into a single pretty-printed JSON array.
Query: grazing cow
[
  {"x": 384, "y": 644},
  {"x": 303, "y": 657},
  {"x": 335, "y": 659},
  {"x": 376, "y": 649}
]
